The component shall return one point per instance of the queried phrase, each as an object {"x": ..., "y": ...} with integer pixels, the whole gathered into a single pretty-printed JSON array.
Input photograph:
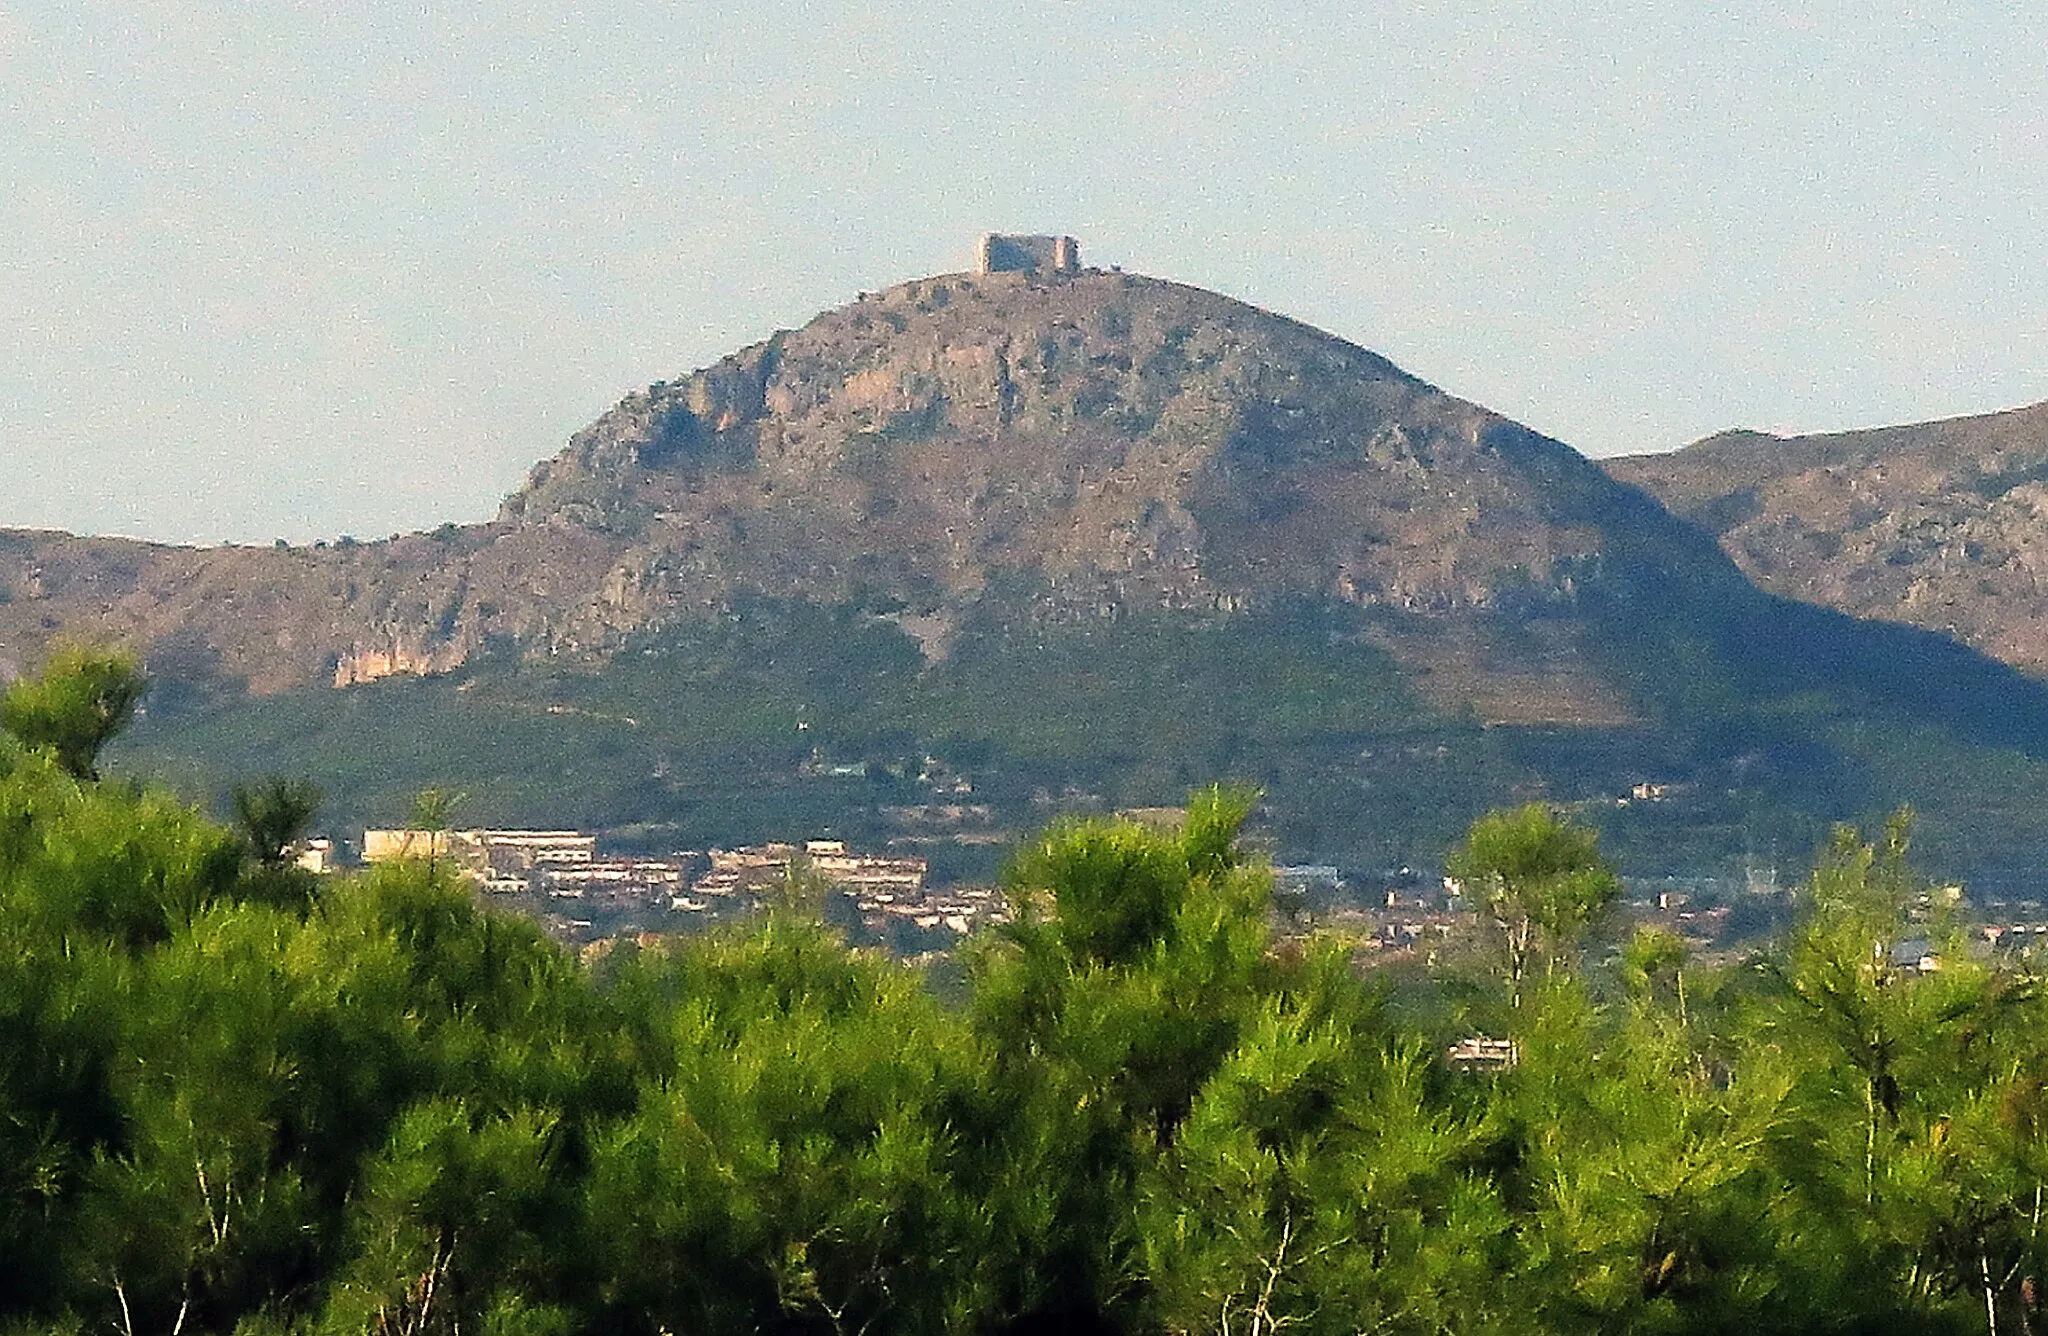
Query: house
[
  {"x": 383, "y": 845},
  {"x": 1480, "y": 1053}
]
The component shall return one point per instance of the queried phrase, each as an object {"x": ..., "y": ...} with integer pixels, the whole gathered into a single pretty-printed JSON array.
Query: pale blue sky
[{"x": 275, "y": 269}]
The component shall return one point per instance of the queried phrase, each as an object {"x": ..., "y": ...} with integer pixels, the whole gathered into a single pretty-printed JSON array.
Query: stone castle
[{"x": 1013, "y": 253}]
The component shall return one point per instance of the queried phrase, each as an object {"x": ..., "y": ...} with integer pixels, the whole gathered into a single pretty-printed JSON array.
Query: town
[
  {"x": 583, "y": 895},
  {"x": 580, "y": 894}
]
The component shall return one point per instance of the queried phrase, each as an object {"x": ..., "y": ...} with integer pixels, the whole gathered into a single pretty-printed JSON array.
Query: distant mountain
[
  {"x": 1058, "y": 542},
  {"x": 1063, "y": 451},
  {"x": 1942, "y": 525}
]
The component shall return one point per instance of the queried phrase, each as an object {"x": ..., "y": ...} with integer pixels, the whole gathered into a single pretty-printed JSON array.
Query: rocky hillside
[
  {"x": 954, "y": 448},
  {"x": 978, "y": 548},
  {"x": 1942, "y": 525}
]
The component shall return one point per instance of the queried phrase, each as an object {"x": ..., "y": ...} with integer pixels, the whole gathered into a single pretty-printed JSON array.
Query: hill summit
[{"x": 1083, "y": 448}]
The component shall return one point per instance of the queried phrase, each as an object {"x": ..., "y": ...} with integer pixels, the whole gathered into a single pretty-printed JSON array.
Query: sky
[{"x": 298, "y": 270}]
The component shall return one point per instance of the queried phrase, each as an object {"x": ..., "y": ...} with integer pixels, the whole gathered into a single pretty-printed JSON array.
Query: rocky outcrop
[{"x": 1941, "y": 525}]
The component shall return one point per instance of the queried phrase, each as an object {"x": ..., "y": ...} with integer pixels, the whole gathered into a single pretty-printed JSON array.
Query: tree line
[{"x": 237, "y": 1097}]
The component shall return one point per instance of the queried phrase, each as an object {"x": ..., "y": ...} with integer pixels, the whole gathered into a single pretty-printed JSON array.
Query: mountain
[
  {"x": 1082, "y": 449},
  {"x": 982, "y": 547},
  {"x": 1942, "y": 525}
]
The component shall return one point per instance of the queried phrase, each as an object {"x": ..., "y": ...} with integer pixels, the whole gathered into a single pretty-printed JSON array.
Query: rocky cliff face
[
  {"x": 955, "y": 448},
  {"x": 1111, "y": 440},
  {"x": 1942, "y": 525},
  {"x": 270, "y": 619}
]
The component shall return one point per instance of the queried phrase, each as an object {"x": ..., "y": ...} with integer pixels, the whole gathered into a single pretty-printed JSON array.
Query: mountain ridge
[
  {"x": 1099, "y": 535},
  {"x": 1942, "y": 525}
]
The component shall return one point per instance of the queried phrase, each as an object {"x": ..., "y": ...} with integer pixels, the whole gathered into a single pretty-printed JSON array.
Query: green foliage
[
  {"x": 1540, "y": 878},
  {"x": 273, "y": 815},
  {"x": 1137, "y": 956},
  {"x": 797, "y": 1161},
  {"x": 450, "y": 1222},
  {"x": 80, "y": 701},
  {"x": 104, "y": 860},
  {"x": 431, "y": 809},
  {"x": 382, "y": 1108},
  {"x": 1321, "y": 1184}
]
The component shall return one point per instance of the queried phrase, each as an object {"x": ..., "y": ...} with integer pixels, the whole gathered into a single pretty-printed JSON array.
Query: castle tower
[{"x": 1017, "y": 253}]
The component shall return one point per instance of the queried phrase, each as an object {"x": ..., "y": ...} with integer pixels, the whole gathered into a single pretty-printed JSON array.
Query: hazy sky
[{"x": 304, "y": 269}]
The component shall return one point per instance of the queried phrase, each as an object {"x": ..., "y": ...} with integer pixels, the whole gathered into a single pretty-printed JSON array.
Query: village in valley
[
  {"x": 587, "y": 896},
  {"x": 582, "y": 894},
  {"x": 591, "y": 897}
]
